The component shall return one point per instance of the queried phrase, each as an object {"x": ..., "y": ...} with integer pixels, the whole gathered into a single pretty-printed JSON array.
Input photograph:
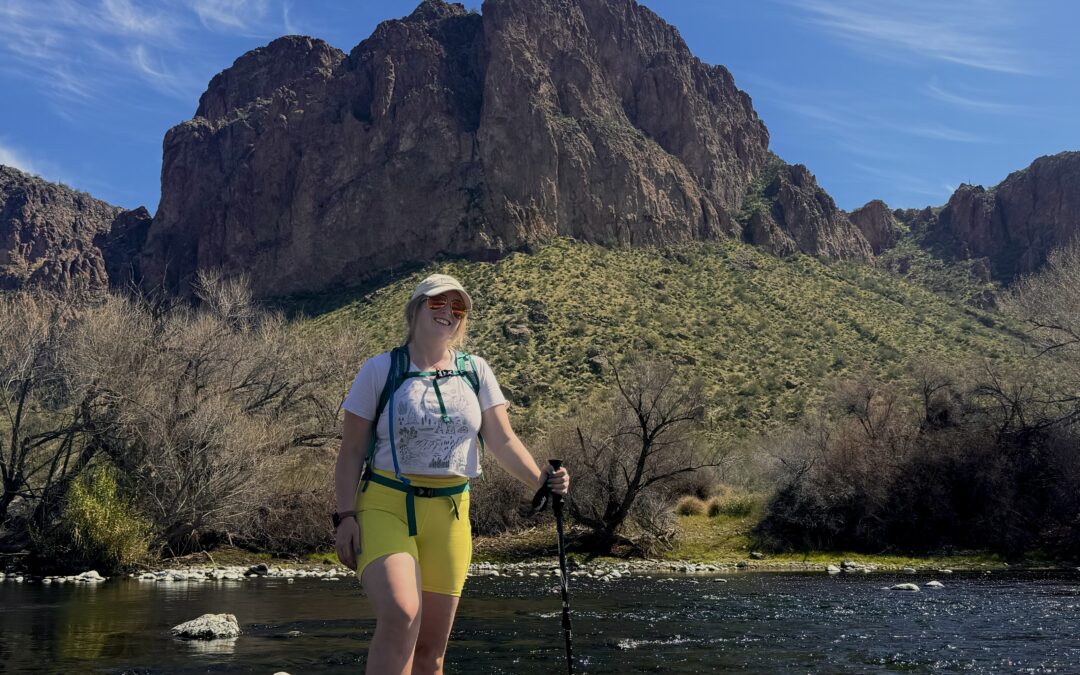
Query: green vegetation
[
  {"x": 99, "y": 528},
  {"x": 764, "y": 334},
  {"x": 960, "y": 280}
]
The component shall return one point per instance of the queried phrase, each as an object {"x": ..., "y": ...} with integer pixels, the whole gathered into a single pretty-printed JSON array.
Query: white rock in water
[
  {"x": 209, "y": 627},
  {"x": 944, "y": 571},
  {"x": 281, "y": 672},
  {"x": 934, "y": 584},
  {"x": 904, "y": 587},
  {"x": 90, "y": 575},
  {"x": 909, "y": 570},
  {"x": 832, "y": 569}
]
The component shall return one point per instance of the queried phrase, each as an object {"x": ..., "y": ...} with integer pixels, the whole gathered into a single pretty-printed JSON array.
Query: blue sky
[{"x": 898, "y": 100}]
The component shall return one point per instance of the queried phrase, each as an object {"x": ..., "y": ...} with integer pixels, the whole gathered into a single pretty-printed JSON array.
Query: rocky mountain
[
  {"x": 52, "y": 236},
  {"x": 877, "y": 224},
  {"x": 790, "y": 212},
  {"x": 1015, "y": 224},
  {"x": 463, "y": 134}
]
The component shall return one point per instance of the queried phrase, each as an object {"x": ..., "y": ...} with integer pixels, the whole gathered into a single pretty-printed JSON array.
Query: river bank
[{"x": 705, "y": 546}]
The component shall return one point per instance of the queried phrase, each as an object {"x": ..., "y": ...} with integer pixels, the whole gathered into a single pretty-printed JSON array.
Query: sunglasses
[{"x": 457, "y": 307}]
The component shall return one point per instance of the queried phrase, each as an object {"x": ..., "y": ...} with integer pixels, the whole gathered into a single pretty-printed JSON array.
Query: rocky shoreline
[{"x": 603, "y": 570}]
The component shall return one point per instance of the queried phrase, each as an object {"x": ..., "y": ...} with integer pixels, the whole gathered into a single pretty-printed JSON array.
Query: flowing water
[{"x": 752, "y": 623}]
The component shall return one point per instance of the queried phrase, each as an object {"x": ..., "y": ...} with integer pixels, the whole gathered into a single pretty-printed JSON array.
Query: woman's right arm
[{"x": 355, "y": 437}]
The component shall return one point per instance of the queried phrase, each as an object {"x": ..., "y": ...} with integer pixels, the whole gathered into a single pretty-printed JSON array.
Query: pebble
[
  {"x": 832, "y": 569},
  {"x": 904, "y": 587},
  {"x": 909, "y": 570},
  {"x": 934, "y": 584}
]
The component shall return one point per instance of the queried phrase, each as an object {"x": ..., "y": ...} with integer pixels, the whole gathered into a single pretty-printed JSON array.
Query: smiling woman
[{"x": 407, "y": 532}]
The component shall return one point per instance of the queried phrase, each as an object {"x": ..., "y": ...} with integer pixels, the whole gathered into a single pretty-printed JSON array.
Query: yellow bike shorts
[{"x": 443, "y": 542}]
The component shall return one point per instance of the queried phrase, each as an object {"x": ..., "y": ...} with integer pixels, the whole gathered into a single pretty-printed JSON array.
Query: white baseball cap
[{"x": 441, "y": 283}]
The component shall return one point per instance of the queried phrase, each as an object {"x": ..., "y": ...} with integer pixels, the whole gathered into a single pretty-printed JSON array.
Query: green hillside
[{"x": 763, "y": 333}]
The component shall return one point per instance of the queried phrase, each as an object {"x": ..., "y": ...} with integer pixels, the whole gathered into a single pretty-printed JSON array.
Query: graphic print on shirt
[{"x": 423, "y": 441}]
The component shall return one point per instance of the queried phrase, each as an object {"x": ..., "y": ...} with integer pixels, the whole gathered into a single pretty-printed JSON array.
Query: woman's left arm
[{"x": 510, "y": 453}]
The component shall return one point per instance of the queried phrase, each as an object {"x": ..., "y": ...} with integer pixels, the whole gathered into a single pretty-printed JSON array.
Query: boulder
[{"x": 209, "y": 627}]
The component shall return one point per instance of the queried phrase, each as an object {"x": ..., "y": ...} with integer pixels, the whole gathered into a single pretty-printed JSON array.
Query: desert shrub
[
  {"x": 732, "y": 505},
  {"x": 652, "y": 526},
  {"x": 496, "y": 501},
  {"x": 294, "y": 519},
  {"x": 690, "y": 506},
  {"x": 982, "y": 464},
  {"x": 99, "y": 528},
  {"x": 198, "y": 408}
]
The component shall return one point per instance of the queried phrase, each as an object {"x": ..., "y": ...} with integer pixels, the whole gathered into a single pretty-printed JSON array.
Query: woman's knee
[
  {"x": 401, "y": 615},
  {"x": 428, "y": 657}
]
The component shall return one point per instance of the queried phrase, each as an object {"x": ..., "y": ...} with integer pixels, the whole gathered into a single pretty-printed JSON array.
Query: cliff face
[
  {"x": 52, "y": 236},
  {"x": 1017, "y": 223},
  {"x": 794, "y": 214},
  {"x": 877, "y": 225},
  {"x": 453, "y": 133}
]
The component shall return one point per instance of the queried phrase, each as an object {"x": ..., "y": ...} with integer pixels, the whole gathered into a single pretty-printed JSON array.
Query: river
[{"x": 1014, "y": 622}]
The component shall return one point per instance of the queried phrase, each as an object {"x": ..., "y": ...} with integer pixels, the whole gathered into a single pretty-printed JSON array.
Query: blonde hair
[{"x": 457, "y": 341}]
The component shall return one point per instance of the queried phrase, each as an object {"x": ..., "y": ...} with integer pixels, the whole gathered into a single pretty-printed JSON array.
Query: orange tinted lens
[
  {"x": 458, "y": 310},
  {"x": 438, "y": 302}
]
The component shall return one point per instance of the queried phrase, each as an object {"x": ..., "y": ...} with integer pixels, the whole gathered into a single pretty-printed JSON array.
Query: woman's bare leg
[
  {"x": 392, "y": 583},
  {"x": 438, "y": 618}
]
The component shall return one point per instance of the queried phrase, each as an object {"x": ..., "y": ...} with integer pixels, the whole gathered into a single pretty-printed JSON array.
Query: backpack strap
[
  {"x": 473, "y": 377},
  {"x": 399, "y": 364}
]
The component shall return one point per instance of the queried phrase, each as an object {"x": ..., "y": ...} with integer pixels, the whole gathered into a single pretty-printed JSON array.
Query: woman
[{"x": 406, "y": 532}]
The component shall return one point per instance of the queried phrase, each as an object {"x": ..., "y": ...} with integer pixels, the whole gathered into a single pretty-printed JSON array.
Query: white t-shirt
[{"x": 425, "y": 444}]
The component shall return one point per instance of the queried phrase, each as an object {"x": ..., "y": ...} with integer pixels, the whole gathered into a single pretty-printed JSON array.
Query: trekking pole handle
[{"x": 556, "y": 499}]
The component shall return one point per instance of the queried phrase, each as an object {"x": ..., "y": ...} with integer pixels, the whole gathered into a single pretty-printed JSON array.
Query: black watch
[{"x": 338, "y": 517}]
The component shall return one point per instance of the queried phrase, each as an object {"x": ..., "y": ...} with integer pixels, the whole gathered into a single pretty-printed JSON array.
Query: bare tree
[
  {"x": 1048, "y": 302},
  {"x": 642, "y": 433},
  {"x": 43, "y": 443},
  {"x": 200, "y": 408}
]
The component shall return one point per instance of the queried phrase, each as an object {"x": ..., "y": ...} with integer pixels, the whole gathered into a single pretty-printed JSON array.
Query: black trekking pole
[{"x": 556, "y": 506}]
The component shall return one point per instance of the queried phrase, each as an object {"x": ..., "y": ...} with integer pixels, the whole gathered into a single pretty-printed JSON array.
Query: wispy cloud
[
  {"x": 852, "y": 121},
  {"x": 973, "y": 33},
  {"x": 78, "y": 53},
  {"x": 11, "y": 157},
  {"x": 904, "y": 182},
  {"x": 974, "y": 102},
  {"x": 242, "y": 15}
]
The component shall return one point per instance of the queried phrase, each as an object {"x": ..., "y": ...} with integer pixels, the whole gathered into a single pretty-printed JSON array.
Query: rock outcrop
[
  {"x": 792, "y": 213},
  {"x": 877, "y": 224},
  {"x": 1017, "y": 223},
  {"x": 451, "y": 133},
  {"x": 52, "y": 236}
]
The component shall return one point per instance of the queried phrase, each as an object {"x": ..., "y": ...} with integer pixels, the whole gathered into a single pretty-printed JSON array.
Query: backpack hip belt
[{"x": 412, "y": 491}]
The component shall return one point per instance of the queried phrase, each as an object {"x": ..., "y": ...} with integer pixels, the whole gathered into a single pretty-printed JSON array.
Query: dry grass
[{"x": 690, "y": 506}]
